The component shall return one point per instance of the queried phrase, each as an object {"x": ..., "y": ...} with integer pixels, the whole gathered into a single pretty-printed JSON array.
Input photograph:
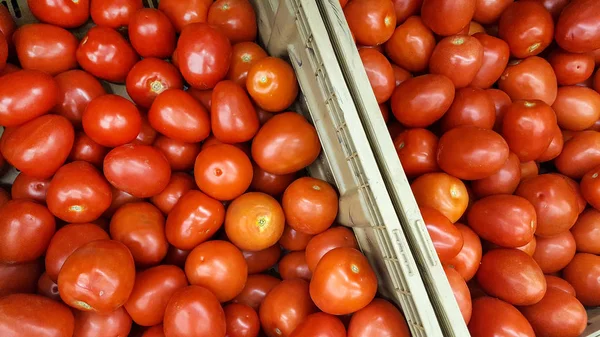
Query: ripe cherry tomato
[
  {"x": 580, "y": 154},
  {"x": 582, "y": 273},
  {"x": 151, "y": 33},
  {"x": 184, "y": 13},
  {"x": 380, "y": 73},
  {"x": 179, "y": 185},
  {"x": 590, "y": 187},
  {"x": 62, "y": 13},
  {"x": 577, "y": 29},
  {"x": 254, "y": 221},
  {"x": 85, "y": 149},
  {"x": 411, "y": 44},
  {"x": 330, "y": 239},
  {"x": 554, "y": 253},
  {"x": 141, "y": 170},
  {"x": 177, "y": 115},
  {"x": 417, "y": 151},
  {"x": 557, "y": 283},
  {"x": 34, "y": 315},
  {"x": 19, "y": 278},
  {"x": 457, "y": 57},
  {"x": 194, "y": 219},
  {"x": 495, "y": 58},
  {"x": 293, "y": 265},
  {"x": 504, "y": 181},
  {"x": 272, "y": 84},
  {"x": 577, "y": 108},
  {"x": 286, "y": 144},
  {"x": 25, "y": 95},
  {"x": 442, "y": 192},
  {"x": 380, "y": 25},
  {"x": 235, "y": 18},
  {"x": 204, "y": 55},
  {"x": 194, "y": 311},
  {"x": 446, "y": 238},
  {"x": 544, "y": 315},
  {"x": 508, "y": 319},
  {"x": 27, "y": 187},
  {"x": 293, "y": 240},
  {"x": 116, "y": 323},
  {"x": 512, "y": 276},
  {"x": 77, "y": 90},
  {"x": 285, "y": 307},
  {"x": 447, "y": 17},
  {"x": 46, "y": 48},
  {"x": 78, "y": 193},
  {"x": 256, "y": 289},
  {"x": 527, "y": 27},
  {"x": 219, "y": 266},
  {"x": 243, "y": 57},
  {"x": 322, "y": 325},
  {"x": 262, "y": 260},
  {"x": 461, "y": 292},
  {"x": 242, "y": 320},
  {"x": 471, "y": 106},
  {"x": 531, "y": 79},
  {"x": 232, "y": 114},
  {"x": 107, "y": 271},
  {"x": 47, "y": 287},
  {"x": 571, "y": 68},
  {"x": 181, "y": 156},
  {"x": 151, "y": 292},
  {"x": 272, "y": 184},
  {"x": 420, "y": 101},
  {"x": 106, "y": 54},
  {"x": 310, "y": 205},
  {"x": 149, "y": 78},
  {"x": 586, "y": 231},
  {"x": 466, "y": 262},
  {"x": 111, "y": 120}
]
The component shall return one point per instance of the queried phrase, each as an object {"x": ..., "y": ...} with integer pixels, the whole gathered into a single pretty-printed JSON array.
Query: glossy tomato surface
[
  {"x": 380, "y": 24},
  {"x": 461, "y": 292},
  {"x": 492, "y": 317},
  {"x": 411, "y": 45},
  {"x": 232, "y": 114},
  {"x": 180, "y": 155},
  {"x": 92, "y": 324},
  {"x": 77, "y": 89},
  {"x": 194, "y": 311},
  {"x": 310, "y": 205},
  {"x": 447, "y": 17},
  {"x": 149, "y": 78},
  {"x": 471, "y": 106},
  {"x": 446, "y": 238},
  {"x": 527, "y": 27},
  {"x": 554, "y": 253},
  {"x": 442, "y": 192},
  {"x": 530, "y": 79},
  {"x": 34, "y": 315},
  {"x": 179, "y": 184},
  {"x": 496, "y": 53},
  {"x": 256, "y": 288},
  {"x": 63, "y": 13},
  {"x": 466, "y": 262},
  {"x": 242, "y": 320},
  {"x": 235, "y": 18},
  {"x": 151, "y": 33},
  {"x": 577, "y": 28},
  {"x": 557, "y": 314},
  {"x": 182, "y": 13},
  {"x": 417, "y": 151},
  {"x": 504, "y": 181},
  {"x": 114, "y": 13},
  {"x": 458, "y": 57},
  {"x": 27, "y": 187},
  {"x": 582, "y": 273},
  {"x": 261, "y": 260},
  {"x": 580, "y": 154},
  {"x": 243, "y": 56},
  {"x": 380, "y": 73},
  {"x": 272, "y": 83}
]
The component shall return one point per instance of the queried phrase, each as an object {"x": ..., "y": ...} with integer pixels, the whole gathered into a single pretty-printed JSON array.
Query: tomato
[
  {"x": 179, "y": 184},
  {"x": 330, "y": 239},
  {"x": 400, "y": 76},
  {"x": 34, "y": 315},
  {"x": 554, "y": 253},
  {"x": 555, "y": 203},
  {"x": 194, "y": 311},
  {"x": 582, "y": 273},
  {"x": 25, "y": 95},
  {"x": 380, "y": 24},
  {"x": 380, "y": 73},
  {"x": 155, "y": 331},
  {"x": 285, "y": 307},
  {"x": 471, "y": 106},
  {"x": 489, "y": 11},
  {"x": 232, "y": 115},
  {"x": 106, "y": 54},
  {"x": 184, "y": 13},
  {"x": 442, "y": 192},
  {"x": 586, "y": 231},
  {"x": 575, "y": 187},
  {"x": 285, "y": 144},
  {"x": 151, "y": 33},
  {"x": 176, "y": 256},
  {"x": 19, "y": 278},
  {"x": 242, "y": 320},
  {"x": 294, "y": 240},
  {"x": 457, "y": 57},
  {"x": 310, "y": 205},
  {"x": 422, "y": 100},
  {"x": 466, "y": 262},
  {"x": 527, "y": 27},
  {"x": 26, "y": 187},
  {"x": 149, "y": 78},
  {"x": 91, "y": 324},
  {"x": 293, "y": 265},
  {"x": 417, "y": 150},
  {"x": 48, "y": 288},
  {"x": 7, "y": 24},
  {"x": 139, "y": 170},
  {"x": 590, "y": 187},
  {"x": 3, "y": 50},
  {"x": 411, "y": 45},
  {"x": 557, "y": 283},
  {"x": 114, "y": 13},
  {"x": 119, "y": 198},
  {"x": 243, "y": 57},
  {"x": 406, "y": 8},
  {"x": 147, "y": 134},
  {"x": 181, "y": 156},
  {"x": 447, "y": 17},
  {"x": 555, "y": 147},
  {"x": 272, "y": 184},
  {"x": 529, "y": 169},
  {"x": 577, "y": 28},
  {"x": 204, "y": 55},
  {"x": 577, "y": 108},
  {"x": 256, "y": 289},
  {"x": 262, "y": 260},
  {"x": 507, "y": 319},
  {"x": 235, "y": 18},
  {"x": 571, "y": 68},
  {"x": 446, "y": 238},
  {"x": 557, "y": 314},
  {"x": 46, "y": 48},
  {"x": 381, "y": 318},
  {"x": 501, "y": 103},
  {"x": 194, "y": 219},
  {"x": 85, "y": 149},
  {"x": 62, "y": 13},
  {"x": 475, "y": 28},
  {"x": 461, "y": 292},
  {"x": 111, "y": 120},
  {"x": 78, "y": 193},
  {"x": 321, "y": 325},
  {"x": 76, "y": 90},
  {"x": 495, "y": 58},
  {"x": 531, "y": 79},
  {"x": 504, "y": 181},
  {"x": 580, "y": 154},
  {"x": 272, "y": 84},
  {"x": 107, "y": 271}
]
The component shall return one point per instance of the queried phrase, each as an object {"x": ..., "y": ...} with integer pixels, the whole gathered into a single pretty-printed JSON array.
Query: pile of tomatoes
[
  {"x": 494, "y": 110},
  {"x": 182, "y": 212}
]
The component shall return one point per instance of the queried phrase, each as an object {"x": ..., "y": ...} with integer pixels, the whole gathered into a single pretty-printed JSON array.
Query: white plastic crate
[{"x": 294, "y": 30}]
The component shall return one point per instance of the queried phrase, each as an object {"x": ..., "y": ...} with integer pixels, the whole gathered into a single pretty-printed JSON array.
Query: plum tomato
[
  {"x": 586, "y": 231},
  {"x": 88, "y": 323},
  {"x": 580, "y": 154},
  {"x": 447, "y": 17},
  {"x": 149, "y": 78},
  {"x": 380, "y": 73},
  {"x": 461, "y": 292},
  {"x": 181, "y": 155},
  {"x": 111, "y": 120},
  {"x": 85, "y": 149},
  {"x": 504, "y": 181},
  {"x": 417, "y": 151},
  {"x": 458, "y": 57},
  {"x": 557, "y": 283},
  {"x": 262, "y": 260},
  {"x": 554, "y": 253},
  {"x": 27, "y": 187},
  {"x": 471, "y": 106},
  {"x": 582, "y": 273},
  {"x": 272, "y": 184},
  {"x": 555, "y": 147},
  {"x": 529, "y": 169},
  {"x": 578, "y": 27},
  {"x": 330, "y": 239},
  {"x": 442, "y": 192},
  {"x": 501, "y": 102},
  {"x": 527, "y": 27},
  {"x": 557, "y": 314},
  {"x": 293, "y": 241},
  {"x": 256, "y": 289},
  {"x": 571, "y": 68},
  {"x": 243, "y": 57},
  {"x": 77, "y": 89},
  {"x": 151, "y": 33},
  {"x": 285, "y": 307},
  {"x": 379, "y": 316},
  {"x": 495, "y": 58},
  {"x": 508, "y": 319},
  {"x": 34, "y": 315},
  {"x": 62, "y": 13},
  {"x": 114, "y": 13},
  {"x": 405, "y": 8},
  {"x": 411, "y": 45},
  {"x": 466, "y": 262},
  {"x": 232, "y": 114},
  {"x": 293, "y": 265},
  {"x": 242, "y": 320},
  {"x": 446, "y": 238},
  {"x": 119, "y": 198},
  {"x": 179, "y": 184},
  {"x": 577, "y": 108},
  {"x": 183, "y": 13},
  {"x": 272, "y": 84},
  {"x": 235, "y": 18},
  {"x": 530, "y": 79},
  {"x": 194, "y": 311},
  {"x": 590, "y": 187},
  {"x": 400, "y": 75},
  {"x": 372, "y": 22},
  {"x": 310, "y": 205},
  {"x": 147, "y": 134},
  {"x": 322, "y": 324}
]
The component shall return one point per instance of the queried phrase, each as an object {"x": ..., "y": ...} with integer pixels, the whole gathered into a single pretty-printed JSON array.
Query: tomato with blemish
[
  {"x": 27, "y": 187},
  {"x": 578, "y": 27},
  {"x": 571, "y": 68}
]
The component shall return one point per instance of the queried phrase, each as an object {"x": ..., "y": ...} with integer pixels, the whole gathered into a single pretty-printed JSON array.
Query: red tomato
[
  {"x": 442, "y": 192},
  {"x": 285, "y": 307},
  {"x": 555, "y": 203},
  {"x": 577, "y": 29},
  {"x": 293, "y": 240},
  {"x": 504, "y": 181},
  {"x": 219, "y": 266},
  {"x": 590, "y": 187},
  {"x": 19, "y": 278},
  {"x": 447, "y": 239},
  {"x": 179, "y": 184},
  {"x": 495, "y": 58},
  {"x": 529, "y": 169},
  {"x": 47, "y": 287},
  {"x": 286, "y": 144},
  {"x": 256, "y": 289},
  {"x": 147, "y": 134},
  {"x": 380, "y": 73},
  {"x": 461, "y": 292},
  {"x": 78, "y": 193},
  {"x": 262, "y": 260},
  {"x": 176, "y": 256},
  {"x": 177, "y": 115},
  {"x": 457, "y": 57},
  {"x": 557, "y": 314},
  {"x": 580, "y": 154},
  {"x": 417, "y": 151},
  {"x": 151, "y": 292},
  {"x": 254, "y": 221},
  {"x": 400, "y": 75},
  {"x": 406, "y": 8},
  {"x": 62, "y": 13},
  {"x": 111, "y": 120},
  {"x": 380, "y": 317},
  {"x": 34, "y": 315},
  {"x": 77, "y": 90},
  {"x": 310, "y": 205},
  {"x": 557, "y": 283},
  {"x": 571, "y": 68},
  {"x": 272, "y": 184},
  {"x": 140, "y": 170},
  {"x": 106, "y": 54},
  {"x": 531, "y": 79},
  {"x": 194, "y": 219},
  {"x": 66, "y": 240},
  {"x": 577, "y": 108},
  {"x": 194, "y": 311},
  {"x": 7, "y": 24},
  {"x": 26, "y": 187},
  {"x": 155, "y": 331},
  {"x": 512, "y": 276},
  {"x": 555, "y": 147},
  {"x": 447, "y": 17},
  {"x": 411, "y": 45},
  {"x": 293, "y": 265},
  {"x": 91, "y": 324},
  {"x": 85, "y": 149},
  {"x": 232, "y": 114},
  {"x": 242, "y": 320},
  {"x": 554, "y": 253},
  {"x": 330, "y": 239},
  {"x": 322, "y": 325},
  {"x": 235, "y": 18},
  {"x": 272, "y": 84},
  {"x": 45, "y": 48},
  {"x": 582, "y": 273},
  {"x": 507, "y": 319},
  {"x": 181, "y": 156},
  {"x": 114, "y": 13},
  {"x": 466, "y": 262},
  {"x": 501, "y": 102},
  {"x": 149, "y": 78},
  {"x": 183, "y": 13},
  {"x": 420, "y": 101},
  {"x": 381, "y": 21},
  {"x": 107, "y": 271},
  {"x": 586, "y": 231},
  {"x": 471, "y": 106},
  {"x": 151, "y": 33},
  {"x": 25, "y": 95},
  {"x": 204, "y": 55},
  {"x": 527, "y": 27},
  {"x": 3, "y": 51},
  {"x": 575, "y": 186},
  {"x": 243, "y": 57},
  {"x": 119, "y": 198}
]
